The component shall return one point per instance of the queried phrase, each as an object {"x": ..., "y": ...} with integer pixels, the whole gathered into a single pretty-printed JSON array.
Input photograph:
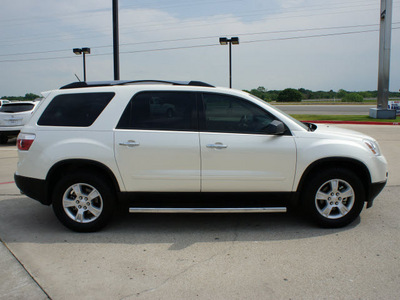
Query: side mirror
[{"x": 275, "y": 127}]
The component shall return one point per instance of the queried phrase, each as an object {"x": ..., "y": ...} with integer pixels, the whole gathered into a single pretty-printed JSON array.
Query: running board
[{"x": 208, "y": 210}]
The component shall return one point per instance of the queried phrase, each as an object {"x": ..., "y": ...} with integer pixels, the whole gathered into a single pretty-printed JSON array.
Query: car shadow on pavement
[{"x": 25, "y": 221}]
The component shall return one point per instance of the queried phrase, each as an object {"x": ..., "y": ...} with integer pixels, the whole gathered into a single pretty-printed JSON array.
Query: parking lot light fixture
[
  {"x": 84, "y": 51},
  {"x": 225, "y": 41}
]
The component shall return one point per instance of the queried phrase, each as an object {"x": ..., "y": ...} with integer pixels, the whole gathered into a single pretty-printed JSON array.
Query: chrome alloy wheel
[
  {"x": 82, "y": 203},
  {"x": 334, "y": 199}
]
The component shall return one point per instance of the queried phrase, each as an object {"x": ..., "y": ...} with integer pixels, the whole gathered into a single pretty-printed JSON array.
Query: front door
[{"x": 237, "y": 153}]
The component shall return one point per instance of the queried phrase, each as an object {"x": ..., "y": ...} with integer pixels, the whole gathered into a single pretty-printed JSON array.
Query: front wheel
[
  {"x": 334, "y": 198},
  {"x": 83, "y": 202}
]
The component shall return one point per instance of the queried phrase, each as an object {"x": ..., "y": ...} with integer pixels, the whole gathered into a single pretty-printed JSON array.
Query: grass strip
[{"x": 357, "y": 118}]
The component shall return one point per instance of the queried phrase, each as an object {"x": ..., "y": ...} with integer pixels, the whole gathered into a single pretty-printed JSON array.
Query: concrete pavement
[
  {"x": 15, "y": 282},
  {"x": 275, "y": 256}
]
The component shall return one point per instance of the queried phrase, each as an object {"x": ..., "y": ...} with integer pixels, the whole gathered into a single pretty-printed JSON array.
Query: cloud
[{"x": 309, "y": 57}]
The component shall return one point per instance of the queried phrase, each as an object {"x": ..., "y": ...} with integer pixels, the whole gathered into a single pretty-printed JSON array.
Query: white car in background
[
  {"x": 13, "y": 116},
  {"x": 4, "y": 101}
]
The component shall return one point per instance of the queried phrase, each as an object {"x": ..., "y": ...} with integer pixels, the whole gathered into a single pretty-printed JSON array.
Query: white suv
[
  {"x": 13, "y": 116},
  {"x": 91, "y": 146}
]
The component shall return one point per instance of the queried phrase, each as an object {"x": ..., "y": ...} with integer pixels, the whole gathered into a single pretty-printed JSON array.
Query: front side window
[
  {"x": 225, "y": 113},
  {"x": 75, "y": 110},
  {"x": 160, "y": 111}
]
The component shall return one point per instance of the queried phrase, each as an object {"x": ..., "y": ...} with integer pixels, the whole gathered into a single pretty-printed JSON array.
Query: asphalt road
[
  {"x": 239, "y": 256},
  {"x": 326, "y": 109}
]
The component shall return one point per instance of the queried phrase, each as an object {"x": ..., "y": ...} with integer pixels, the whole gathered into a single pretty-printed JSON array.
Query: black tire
[
  {"x": 3, "y": 139},
  {"x": 83, "y": 202},
  {"x": 334, "y": 197}
]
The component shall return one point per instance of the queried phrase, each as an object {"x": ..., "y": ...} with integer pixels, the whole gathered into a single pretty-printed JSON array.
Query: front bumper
[
  {"x": 33, "y": 188},
  {"x": 374, "y": 190}
]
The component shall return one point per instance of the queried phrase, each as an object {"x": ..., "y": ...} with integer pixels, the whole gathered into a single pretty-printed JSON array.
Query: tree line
[
  {"x": 27, "y": 97},
  {"x": 297, "y": 95},
  {"x": 286, "y": 95}
]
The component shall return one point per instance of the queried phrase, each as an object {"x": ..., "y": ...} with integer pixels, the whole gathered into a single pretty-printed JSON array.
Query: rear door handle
[
  {"x": 217, "y": 146},
  {"x": 129, "y": 144}
]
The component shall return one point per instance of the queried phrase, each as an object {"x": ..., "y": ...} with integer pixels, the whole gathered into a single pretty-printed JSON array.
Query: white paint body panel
[
  {"x": 258, "y": 163},
  {"x": 162, "y": 160},
  {"x": 332, "y": 142}
]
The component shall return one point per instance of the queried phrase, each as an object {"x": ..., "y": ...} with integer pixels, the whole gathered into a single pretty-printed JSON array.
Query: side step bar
[{"x": 208, "y": 210}]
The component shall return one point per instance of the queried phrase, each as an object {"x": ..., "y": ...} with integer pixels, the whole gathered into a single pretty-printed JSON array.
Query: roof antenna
[{"x": 77, "y": 77}]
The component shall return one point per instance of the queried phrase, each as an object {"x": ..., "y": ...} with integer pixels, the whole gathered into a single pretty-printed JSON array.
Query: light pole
[
  {"x": 234, "y": 41},
  {"x": 84, "y": 51},
  {"x": 115, "y": 39}
]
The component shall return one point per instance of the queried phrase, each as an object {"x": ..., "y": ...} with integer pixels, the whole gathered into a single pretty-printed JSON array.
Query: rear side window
[
  {"x": 16, "y": 107},
  {"x": 160, "y": 111},
  {"x": 77, "y": 110}
]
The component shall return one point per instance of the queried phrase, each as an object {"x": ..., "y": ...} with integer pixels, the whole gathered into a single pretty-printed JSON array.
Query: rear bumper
[{"x": 33, "y": 188}]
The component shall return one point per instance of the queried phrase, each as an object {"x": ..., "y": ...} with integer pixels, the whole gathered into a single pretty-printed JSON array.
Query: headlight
[{"x": 373, "y": 146}]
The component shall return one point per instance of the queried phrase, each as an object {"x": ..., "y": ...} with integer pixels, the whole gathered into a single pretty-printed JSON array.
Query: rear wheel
[
  {"x": 334, "y": 198},
  {"x": 83, "y": 202},
  {"x": 3, "y": 139}
]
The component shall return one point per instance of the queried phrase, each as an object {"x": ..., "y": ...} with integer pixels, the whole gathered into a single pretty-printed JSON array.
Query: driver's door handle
[
  {"x": 129, "y": 143},
  {"x": 217, "y": 146}
]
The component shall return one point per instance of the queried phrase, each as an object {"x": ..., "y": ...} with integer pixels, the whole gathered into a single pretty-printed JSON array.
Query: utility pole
[
  {"x": 115, "y": 39},
  {"x": 381, "y": 111}
]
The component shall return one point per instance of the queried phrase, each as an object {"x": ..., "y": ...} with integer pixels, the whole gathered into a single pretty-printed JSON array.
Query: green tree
[
  {"x": 353, "y": 97},
  {"x": 260, "y": 92},
  {"x": 289, "y": 95},
  {"x": 341, "y": 93},
  {"x": 307, "y": 94},
  {"x": 31, "y": 96},
  {"x": 28, "y": 97}
]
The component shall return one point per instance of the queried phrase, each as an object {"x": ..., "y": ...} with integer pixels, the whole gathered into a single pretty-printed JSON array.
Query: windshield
[
  {"x": 16, "y": 107},
  {"x": 283, "y": 113}
]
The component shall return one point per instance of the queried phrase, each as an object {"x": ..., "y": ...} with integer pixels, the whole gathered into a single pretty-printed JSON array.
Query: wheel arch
[
  {"x": 75, "y": 165},
  {"x": 353, "y": 165}
]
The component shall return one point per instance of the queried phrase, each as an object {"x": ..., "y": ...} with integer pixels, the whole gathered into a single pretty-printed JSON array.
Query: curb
[
  {"x": 353, "y": 122},
  {"x": 7, "y": 182}
]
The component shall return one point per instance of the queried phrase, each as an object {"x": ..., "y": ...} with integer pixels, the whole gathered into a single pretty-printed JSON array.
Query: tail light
[{"x": 25, "y": 140}]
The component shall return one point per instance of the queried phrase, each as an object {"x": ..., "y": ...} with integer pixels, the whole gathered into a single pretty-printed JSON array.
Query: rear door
[{"x": 157, "y": 143}]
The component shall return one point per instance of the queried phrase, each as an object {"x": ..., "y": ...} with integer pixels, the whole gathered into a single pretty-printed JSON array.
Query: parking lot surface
[{"x": 210, "y": 256}]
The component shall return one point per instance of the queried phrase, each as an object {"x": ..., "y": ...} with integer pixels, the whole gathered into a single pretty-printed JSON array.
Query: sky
[{"x": 312, "y": 44}]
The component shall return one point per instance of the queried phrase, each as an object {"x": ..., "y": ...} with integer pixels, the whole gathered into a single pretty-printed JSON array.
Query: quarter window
[
  {"x": 75, "y": 110},
  {"x": 160, "y": 111},
  {"x": 230, "y": 114}
]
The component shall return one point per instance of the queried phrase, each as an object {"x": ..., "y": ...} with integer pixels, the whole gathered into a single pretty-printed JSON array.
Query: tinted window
[
  {"x": 160, "y": 111},
  {"x": 16, "y": 107},
  {"x": 230, "y": 114},
  {"x": 79, "y": 110}
]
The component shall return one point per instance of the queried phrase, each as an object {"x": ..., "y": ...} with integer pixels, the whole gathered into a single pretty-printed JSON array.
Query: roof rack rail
[{"x": 84, "y": 84}]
